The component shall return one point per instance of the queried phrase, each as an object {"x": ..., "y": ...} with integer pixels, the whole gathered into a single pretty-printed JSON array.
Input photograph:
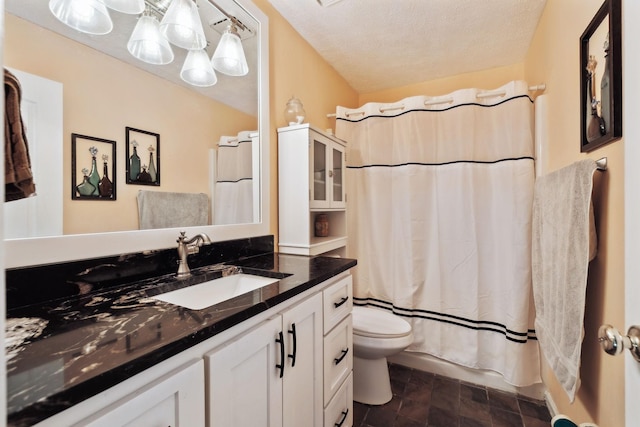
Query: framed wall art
[
  {"x": 93, "y": 168},
  {"x": 142, "y": 157},
  {"x": 601, "y": 78}
]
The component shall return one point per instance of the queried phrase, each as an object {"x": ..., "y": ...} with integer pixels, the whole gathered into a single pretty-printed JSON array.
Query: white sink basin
[{"x": 215, "y": 291}]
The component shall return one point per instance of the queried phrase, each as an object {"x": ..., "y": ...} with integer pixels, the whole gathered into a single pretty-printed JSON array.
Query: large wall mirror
[{"x": 106, "y": 92}]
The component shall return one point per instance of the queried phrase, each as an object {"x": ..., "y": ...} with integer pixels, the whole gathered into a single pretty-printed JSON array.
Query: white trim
[{"x": 631, "y": 132}]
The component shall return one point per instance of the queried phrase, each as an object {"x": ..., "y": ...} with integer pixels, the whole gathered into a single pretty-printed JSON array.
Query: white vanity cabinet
[
  {"x": 277, "y": 369},
  {"x": 270, "y": 376},
  {"x": 338, "y": 354},
  {"x": 174, "y": 399},
  {"x": 311, "y": 181}
]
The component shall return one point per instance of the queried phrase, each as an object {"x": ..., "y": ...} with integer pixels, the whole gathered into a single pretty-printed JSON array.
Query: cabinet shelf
[{"x": 317, "y": 246}]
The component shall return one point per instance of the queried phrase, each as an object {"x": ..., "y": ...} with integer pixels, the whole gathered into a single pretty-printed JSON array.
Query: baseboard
[{"x": 551, "y": 404}]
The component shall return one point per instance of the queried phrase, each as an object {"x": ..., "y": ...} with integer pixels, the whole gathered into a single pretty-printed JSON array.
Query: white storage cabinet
[{"x": 311, "y": 181}]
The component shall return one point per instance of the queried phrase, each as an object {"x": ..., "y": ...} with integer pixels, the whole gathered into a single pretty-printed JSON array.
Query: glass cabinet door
[
  {"x": 338, "y": 193},
  {"x": 327, "y": 188},
  {"x": 320, "y": 188}
]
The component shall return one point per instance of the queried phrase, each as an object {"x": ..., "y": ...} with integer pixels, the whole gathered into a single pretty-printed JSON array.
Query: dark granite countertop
[{"x": 65, "y": 350}]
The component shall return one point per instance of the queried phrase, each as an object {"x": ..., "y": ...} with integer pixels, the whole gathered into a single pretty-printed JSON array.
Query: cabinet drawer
[
  {"x": 338, "y": 302},
  {"x": 338, "y": 357},
  {"x": 339, "y": 412}
]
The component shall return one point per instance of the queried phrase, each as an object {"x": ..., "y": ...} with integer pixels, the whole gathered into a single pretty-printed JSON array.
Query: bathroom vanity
[{"x": 89, "y": 344}]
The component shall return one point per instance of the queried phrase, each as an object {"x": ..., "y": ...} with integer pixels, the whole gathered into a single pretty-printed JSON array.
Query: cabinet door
[
  {"x": 336, "y": 176},
  {"x": 244, "y": 384},
  {"x": 176, "y": 399},
  {"x": 302, "y": 387},
  {"x": 327, "y": 167},
  {"x": 320, "y": 150}
]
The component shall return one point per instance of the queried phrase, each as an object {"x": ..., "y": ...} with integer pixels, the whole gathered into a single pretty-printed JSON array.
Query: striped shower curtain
[
  {"x": 439, "y": 217},
  {"x": 233, "y": 189}
]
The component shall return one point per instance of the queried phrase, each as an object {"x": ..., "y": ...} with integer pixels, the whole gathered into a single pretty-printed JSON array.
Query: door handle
[
  {"x": 280, "y": 340},
  {"x": 292, "y": 356},
  {"x": 614, "y": 343}
]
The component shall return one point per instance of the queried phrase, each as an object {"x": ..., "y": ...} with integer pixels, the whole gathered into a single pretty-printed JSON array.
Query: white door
[
  {"x": 41, "y": 109},
  {"x": 631, "y": 132}
]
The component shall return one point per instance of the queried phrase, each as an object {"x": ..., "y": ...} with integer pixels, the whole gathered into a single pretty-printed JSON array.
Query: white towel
[
  {"x": 158, "y": 209},
  {"x": 563, "y": 242}
]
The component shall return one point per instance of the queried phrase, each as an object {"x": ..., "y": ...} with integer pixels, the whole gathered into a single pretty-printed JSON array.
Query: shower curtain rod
[{"x": 448, "y": 99}]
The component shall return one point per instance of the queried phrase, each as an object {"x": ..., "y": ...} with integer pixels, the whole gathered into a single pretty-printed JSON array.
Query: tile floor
[{"x": 423, "y": 399}]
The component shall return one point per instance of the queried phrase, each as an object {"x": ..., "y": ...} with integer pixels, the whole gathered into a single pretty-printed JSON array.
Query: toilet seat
[{"x": 374, "y": 323}]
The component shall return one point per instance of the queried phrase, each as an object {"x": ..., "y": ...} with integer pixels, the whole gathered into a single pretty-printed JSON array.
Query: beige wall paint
[
  {"x": 487, "y": 79},
  {"x": 296, "y": 69},
  {"x": 189, "y": 124},
  {"x": 553, "y": 58}
]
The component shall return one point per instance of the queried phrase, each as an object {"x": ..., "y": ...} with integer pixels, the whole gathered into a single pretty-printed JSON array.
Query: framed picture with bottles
[
  {"x": 142, "y": 157},
  {"x": 601, "y": 78},
  {"x": 93, "y": 168}
]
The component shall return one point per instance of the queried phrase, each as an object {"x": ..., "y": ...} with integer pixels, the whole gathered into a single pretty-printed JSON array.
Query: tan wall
[
  {"x": 487, "y": 79},
  {"x": 553, "y": 58},
  {"x": 296, "y": 69},
  {"x": 189, "y": 124}
]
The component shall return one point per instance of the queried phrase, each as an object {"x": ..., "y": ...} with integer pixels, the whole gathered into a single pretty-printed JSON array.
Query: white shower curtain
[
  {"x": 233, "y": 190},
  {"x": 439, "y": 218}
]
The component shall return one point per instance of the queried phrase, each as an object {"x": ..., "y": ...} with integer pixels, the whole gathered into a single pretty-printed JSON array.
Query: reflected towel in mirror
[
  {"x": 18, "y": 178},
  {"x": 158, "y": 209}
]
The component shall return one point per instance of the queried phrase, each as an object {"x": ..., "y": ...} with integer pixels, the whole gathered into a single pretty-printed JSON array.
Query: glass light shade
[
  {"x": 197, "y": 69},
  {"x": 228, "y": 57},
  {"x": 181, "y": 25},
  {"x": 132, "y": 7},
  {"x": 147, "y": 44},
  {"x": 87, "y": 16}
]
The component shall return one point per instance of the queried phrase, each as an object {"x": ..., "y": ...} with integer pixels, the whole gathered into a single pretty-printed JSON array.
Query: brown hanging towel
[{"x": 18, "y": 178}]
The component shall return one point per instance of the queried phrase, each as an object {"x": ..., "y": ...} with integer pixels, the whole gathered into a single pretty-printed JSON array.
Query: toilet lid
[{"x": 371, "y": 322}]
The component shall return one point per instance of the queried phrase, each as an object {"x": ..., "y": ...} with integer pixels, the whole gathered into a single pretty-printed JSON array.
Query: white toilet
[{"x": 376, "y": 335}]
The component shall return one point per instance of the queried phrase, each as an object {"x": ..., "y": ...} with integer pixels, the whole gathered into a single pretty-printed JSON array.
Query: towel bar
[{"x": 602, "y": 164}]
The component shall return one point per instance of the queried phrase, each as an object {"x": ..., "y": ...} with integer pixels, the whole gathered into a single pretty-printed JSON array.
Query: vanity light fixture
[
  {"x": 181, "y": 25},
  {"x": 147, "y": 44},
  {"x": 131, "y": 7},
  {"x": 163, "y": 22},
  {"x": 228, "y": 57},
  {"x": 197, "y": 69},
  {"x": 87, "y": 16}
]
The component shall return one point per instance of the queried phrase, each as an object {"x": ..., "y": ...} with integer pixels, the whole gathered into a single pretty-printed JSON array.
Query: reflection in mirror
[
  {"x": 235, "y": 164},
  {"x": 105, "y": 91}
]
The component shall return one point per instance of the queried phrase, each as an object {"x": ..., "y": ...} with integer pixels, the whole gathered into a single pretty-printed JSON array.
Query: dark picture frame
[
  {"x": 601, "y": 78},
  {"x": 142, "y": 157},
  {"x": 93, "y": 168}
]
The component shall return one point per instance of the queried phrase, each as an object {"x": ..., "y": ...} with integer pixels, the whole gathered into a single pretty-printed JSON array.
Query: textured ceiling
[{"x": 381, "y": 44}]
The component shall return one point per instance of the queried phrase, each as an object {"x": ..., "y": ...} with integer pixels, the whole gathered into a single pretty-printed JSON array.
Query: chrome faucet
[{"x": 189, "y": 246}]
